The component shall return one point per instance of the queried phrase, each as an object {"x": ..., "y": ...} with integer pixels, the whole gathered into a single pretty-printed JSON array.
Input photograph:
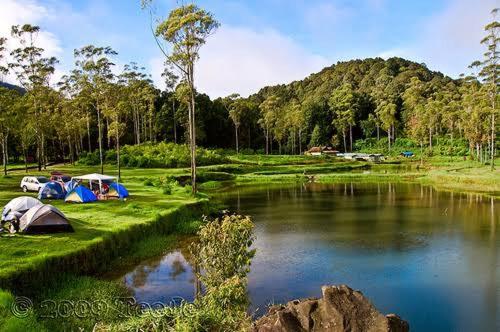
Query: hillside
[
  {"x": 12, "y": 86},
  {"x": 374, "y": 87}
]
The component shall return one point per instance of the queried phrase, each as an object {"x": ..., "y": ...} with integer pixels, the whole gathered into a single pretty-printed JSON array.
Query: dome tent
[
  {"x": 70, "y": 185},
  {"x": 54, "y": 190},
  {"x": 44, "y": 219},
  {"x": 17, "y": 207},
  {"x": 80, "y": 194},
  {"x": 118, "y": 190}
]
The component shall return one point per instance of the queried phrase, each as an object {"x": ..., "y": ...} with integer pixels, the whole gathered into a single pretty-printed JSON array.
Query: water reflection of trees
[
  {"x": 369, "y": 215},
  {"x": 178, "y": 266}
]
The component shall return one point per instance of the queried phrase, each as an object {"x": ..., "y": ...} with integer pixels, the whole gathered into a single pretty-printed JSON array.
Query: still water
[{"x": 431, "y": 257}]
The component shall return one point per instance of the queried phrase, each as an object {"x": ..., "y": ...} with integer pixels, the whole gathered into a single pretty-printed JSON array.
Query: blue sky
[{"x": 266, "y": 42}]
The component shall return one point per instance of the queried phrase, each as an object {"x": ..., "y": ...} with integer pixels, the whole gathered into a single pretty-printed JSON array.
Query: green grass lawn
[{"x": 92, "y": 222}]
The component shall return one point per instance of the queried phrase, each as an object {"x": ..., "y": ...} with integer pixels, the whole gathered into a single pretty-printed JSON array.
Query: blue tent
[
  {"x": 52, "y": 190},
  {"x": 70, "y": 185},
  {"x": 117, "y": 190},
  {"x": 80, "y": 194}
]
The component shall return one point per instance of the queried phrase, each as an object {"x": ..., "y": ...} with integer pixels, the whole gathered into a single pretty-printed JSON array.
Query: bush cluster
[
  {"x": 156, "y": 155},
  {"x": 441, "y": 146}
]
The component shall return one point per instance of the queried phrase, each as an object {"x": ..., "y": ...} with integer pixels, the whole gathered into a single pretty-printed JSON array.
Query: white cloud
[
  {"x": 241, "y": 60},
  {"x": 18, "y": 12},
  {"x": 450, "y": 40}
]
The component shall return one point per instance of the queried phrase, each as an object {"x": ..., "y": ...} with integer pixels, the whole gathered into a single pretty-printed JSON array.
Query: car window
[{"x": 42, "y": 179}]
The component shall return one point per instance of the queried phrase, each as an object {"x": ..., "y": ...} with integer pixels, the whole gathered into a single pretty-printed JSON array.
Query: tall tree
[
  {"x": 95, "y": 65},
  {"x": 8, "y": 100},
  {"x": 343, "y": 104},
  {"x": 33, "y": 72},
  {"x": 171, "y": 81},
  {"x": 490, "y": 73},
  {"x": 268, "y": 109},
  {"x": 186, "y": 29}
]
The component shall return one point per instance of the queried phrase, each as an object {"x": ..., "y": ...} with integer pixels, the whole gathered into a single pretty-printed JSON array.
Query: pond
[{"x": 431, "y": 257}]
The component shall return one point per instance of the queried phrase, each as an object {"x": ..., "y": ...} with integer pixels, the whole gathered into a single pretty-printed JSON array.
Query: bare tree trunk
[
  {"x": 88, "y": 133},
  {"x": 378, "y": 133},
  {"x": 493, "y": 138},
  {"x": 421, "y": 153},
  {"x": 300, "y": 141},
  {"x": 192, "y": 120},
  {"x": 267, "y": 140},
  {"x": 345, "y": 141},
  {"x": 350, "y": 138},
  {"x": 118, "y": 156},
  {"x": 44, "y": 156},
  {"x": 175, "y": 124},
  {"x": 4, "y": 155},
  {"x": 25, "y": 153},
  {"x": 236, "y": 136},
  {"x": 107, "y": 135},
  {"x": 99, "y": 125},
  {"x": 389, "y": 137},
  {"x": 430, "y": 138},
  {"x": 71, "y": 160}
]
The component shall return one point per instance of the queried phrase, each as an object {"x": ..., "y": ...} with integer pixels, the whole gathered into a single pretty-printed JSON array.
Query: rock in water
[{"x": 340, "y": 309}]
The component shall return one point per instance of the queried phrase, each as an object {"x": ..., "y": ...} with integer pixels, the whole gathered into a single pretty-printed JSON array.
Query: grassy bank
[
  {"x": 444, "y": 173},
  {"x": 102, "y": 229}
]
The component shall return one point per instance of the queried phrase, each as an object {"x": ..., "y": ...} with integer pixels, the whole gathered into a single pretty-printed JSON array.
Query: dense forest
[{"x": 350, "y": 105}]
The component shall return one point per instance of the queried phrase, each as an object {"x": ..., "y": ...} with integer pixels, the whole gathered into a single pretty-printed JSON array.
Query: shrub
[{"x": 89, "y": 158}]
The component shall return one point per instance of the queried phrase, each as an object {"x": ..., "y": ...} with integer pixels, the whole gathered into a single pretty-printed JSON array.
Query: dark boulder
[{"x": 340, "y": 309}]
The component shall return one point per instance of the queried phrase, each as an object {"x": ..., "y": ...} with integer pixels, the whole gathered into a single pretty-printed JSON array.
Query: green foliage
[
  {"x": 442, "y": 146},
  {"x": 222, "y": 250},
  {"x": 223, "y": 255},
  {"x": 317, "y": 138},
  {"x": 156, "y": 155}
]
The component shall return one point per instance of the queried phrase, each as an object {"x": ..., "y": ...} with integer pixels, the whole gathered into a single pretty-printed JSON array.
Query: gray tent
[
  {"x": 44, "y": 219},
  {"x": 17, "y": 207}
]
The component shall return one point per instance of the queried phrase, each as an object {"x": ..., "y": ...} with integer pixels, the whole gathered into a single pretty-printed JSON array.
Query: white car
[{"x": 33, "y": 183}]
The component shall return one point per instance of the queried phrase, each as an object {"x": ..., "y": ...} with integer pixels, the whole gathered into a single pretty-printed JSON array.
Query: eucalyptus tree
[
  {"x": 268, "y": 110},
  {"x": 414, "y": 102},
  {"x": 490, "y": 74},
  {"x": 343, "y": 104},
  {"x": 73, "y": 114},
  {"x": 474, "y": 115},
  {"x": 33, "y": 72},
  {"x": 385, "y": 100},
  {"x": 236, "y": 107},
  {"x": 171, "y": 81},
  {"x": 95, "y": 65},
  {"x": 140, "y": 96},
  {"x": 295, "y": 118},
  {"x": 8, "y": 101},
  {"x": 116, "y": 108},
  {"x": 186, "y": 29}
]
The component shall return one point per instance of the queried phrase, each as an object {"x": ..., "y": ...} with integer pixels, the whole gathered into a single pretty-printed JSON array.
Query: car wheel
[{"x": 25, "y": 189}]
